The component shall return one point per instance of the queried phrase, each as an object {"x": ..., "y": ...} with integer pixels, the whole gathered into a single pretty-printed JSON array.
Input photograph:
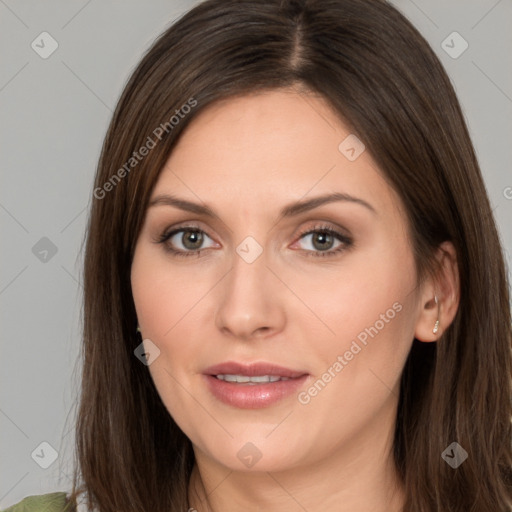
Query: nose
[{"x": 251, "y": 300}]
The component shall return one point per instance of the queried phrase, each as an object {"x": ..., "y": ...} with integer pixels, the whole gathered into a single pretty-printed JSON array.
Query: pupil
[
  {"x": 323, "y": 238},
  {"x": 194, "y": 237}
]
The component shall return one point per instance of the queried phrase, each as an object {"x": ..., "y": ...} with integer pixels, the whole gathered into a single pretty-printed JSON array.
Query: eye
[
  {"x": 184, "y": 241},
  {"x": 322, "y": 239}
]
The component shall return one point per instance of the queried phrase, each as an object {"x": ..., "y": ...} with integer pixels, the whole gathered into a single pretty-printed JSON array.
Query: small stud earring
[{"x": 436, "y": 325}]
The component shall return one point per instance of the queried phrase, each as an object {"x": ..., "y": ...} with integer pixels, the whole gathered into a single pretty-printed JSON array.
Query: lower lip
[{"x": 253, "y": 396}]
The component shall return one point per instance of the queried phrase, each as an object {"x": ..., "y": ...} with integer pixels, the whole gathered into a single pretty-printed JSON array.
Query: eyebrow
[{"x": 290, "y": 210}]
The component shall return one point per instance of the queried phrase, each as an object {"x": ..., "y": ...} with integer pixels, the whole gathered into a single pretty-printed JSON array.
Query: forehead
[
  {"x": 267, "y": 147},
  {"x": 274, "y": 127}
]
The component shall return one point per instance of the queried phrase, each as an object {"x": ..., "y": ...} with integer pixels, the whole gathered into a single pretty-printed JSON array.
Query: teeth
[{"x": 258, "y": 379}]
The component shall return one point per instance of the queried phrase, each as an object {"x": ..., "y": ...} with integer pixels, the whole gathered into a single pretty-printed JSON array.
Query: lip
[
  {"x": 253, "y": 396},
  {"x": 252, "y": 370}
]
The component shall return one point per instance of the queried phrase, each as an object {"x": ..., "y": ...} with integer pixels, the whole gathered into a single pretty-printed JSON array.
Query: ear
[{"x": 445, "y": 285}]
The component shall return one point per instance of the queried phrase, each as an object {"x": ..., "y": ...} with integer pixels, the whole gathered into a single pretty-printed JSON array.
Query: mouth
[
  {"x": 252, "y": 386},
  {"x": 244, "y": 379}
]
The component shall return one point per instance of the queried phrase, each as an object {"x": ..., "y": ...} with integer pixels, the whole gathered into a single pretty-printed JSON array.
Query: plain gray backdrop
[{"x": 54, "y": 114}]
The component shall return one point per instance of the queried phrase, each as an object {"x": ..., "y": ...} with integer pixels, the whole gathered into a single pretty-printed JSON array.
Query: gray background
[{"x": 54, "y": 113}]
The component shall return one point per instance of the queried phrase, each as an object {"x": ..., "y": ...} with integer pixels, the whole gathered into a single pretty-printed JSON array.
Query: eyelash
[{"x": 347, "y": 242}]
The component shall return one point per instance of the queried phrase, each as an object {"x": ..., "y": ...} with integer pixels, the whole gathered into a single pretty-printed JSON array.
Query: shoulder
[{"x": 52, "y": 502}]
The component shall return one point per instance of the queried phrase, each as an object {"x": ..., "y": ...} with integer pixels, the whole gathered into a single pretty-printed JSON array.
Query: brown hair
[{"x": 384, "y": 81}]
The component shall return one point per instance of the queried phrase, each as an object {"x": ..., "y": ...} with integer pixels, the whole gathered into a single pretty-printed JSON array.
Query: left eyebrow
[
  {"x": 290, "y": 210},
  {"x": 304, "y": 206}
]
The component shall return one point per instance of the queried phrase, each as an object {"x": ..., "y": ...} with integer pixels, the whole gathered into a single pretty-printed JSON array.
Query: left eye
[{"x": 321, "y": 241}]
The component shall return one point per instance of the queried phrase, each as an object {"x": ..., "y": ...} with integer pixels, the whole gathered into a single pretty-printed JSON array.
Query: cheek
[
  {"x": 359, "y": 366},
  {"x": 164, "y": 298},
  {"x": 163, "y": 292},
  {"x": 170, "y": 301},
  {"x": 370, "y": 310},
  {"x": 367, "y": 298},
  {"x": 363, "y": 308}
]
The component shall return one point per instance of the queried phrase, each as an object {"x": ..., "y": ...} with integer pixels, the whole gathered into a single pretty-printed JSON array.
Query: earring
[
  {"x": 139, "y": 332},
  {"x": 436, "y": 325}
]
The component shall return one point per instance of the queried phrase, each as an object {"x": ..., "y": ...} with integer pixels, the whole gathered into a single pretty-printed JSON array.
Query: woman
[{"x": 340, "y": 337}]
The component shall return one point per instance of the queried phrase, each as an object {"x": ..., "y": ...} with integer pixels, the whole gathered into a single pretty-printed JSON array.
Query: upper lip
[{"x": 252, "y": 370}]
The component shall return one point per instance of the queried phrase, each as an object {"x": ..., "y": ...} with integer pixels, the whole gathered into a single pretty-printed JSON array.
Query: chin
[{"x": 247, "y": 453}]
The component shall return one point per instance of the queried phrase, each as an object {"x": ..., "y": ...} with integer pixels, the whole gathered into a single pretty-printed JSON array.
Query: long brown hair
[{"x": 384, "y": 81}]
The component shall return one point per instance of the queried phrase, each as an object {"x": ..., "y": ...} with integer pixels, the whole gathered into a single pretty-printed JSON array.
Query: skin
[{"x": 247, "y": 158}]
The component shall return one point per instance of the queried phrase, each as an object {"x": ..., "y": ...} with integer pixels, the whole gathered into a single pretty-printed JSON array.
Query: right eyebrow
[{"x": 182, "y": 204}]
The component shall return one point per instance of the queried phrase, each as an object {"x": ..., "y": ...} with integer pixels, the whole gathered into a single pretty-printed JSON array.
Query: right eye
[{"x": 191, "y": 238}]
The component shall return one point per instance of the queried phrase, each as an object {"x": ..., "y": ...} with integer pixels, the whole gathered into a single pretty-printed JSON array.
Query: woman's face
[{"x": 272, "y": 293}]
